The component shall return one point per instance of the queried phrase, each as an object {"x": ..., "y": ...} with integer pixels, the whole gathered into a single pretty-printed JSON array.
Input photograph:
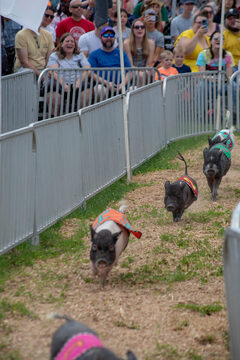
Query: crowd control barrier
[
  {"x": 62, "y": 91},
  {"x": 231, "y": 260},
  {"x": 19, "y": 100},
  {"x": 53, "y": 166}
]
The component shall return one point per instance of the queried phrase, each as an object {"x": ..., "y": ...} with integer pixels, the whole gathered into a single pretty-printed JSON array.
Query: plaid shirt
[{"x": 9, "y": 33}]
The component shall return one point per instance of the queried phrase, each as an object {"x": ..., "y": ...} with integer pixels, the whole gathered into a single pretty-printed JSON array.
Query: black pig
[
  {"x": 109, "y": 235},
  {"x": 75, "y": 340},
  {"x": 180, "y": 194},
  {"x": 217, "y": 162}
]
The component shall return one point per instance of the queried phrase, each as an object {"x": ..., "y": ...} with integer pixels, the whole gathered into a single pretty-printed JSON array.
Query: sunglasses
[
  {"x": 76, "y": 6},
  {"x": 108, "y": 35},
  {"x": 217, "y": 38},
  {"x": 139, "y": 27},
  {"x": 36, "y": 41},
  {"x": 49, "y": 16}
]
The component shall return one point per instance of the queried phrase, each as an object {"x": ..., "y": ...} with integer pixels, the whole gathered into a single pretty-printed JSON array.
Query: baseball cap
[
  {"x": 107, "y": 28},
  {"x": 232, "y": 12},
  {"x": 185, "y": 2}
]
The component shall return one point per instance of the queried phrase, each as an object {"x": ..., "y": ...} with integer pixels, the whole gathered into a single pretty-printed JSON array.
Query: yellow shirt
[
  {"x": 191, "y": 59},
  {"x": 37, "y": 47},
  {"x": 232, "y": 44}
]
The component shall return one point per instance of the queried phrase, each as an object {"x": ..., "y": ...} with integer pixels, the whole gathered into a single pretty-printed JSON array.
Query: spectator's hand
[
  {"x": 65, "y": 87},
  {"x": 201, "y": 31},
  {"x": 237, "y": 24}
]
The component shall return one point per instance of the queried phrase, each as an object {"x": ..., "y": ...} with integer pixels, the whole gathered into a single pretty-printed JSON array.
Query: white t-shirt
[{"x": 77, "y": 61}]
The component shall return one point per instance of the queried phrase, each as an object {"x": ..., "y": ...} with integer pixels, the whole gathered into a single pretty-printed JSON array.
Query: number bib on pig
[
  {"x": 118, "y": 217},
  {"x": 190, "y": 183}
]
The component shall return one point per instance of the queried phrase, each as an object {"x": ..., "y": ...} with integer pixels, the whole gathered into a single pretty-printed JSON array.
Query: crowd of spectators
[{"x": 194, "y": 33}]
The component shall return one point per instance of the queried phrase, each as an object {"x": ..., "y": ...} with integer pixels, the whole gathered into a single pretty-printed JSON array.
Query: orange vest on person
[
  {"x": 190, "y": 183},
  {"x": 118, "y": 217}
]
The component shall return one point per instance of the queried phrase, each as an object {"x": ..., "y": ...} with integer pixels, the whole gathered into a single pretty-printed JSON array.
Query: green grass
[
  {"x": 163, "y": 160},
  {"x": 203, "y": 310}
]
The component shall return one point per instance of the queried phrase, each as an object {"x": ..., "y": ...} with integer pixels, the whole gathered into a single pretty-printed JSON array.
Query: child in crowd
[
  {"x": 178, "y": 55},
  {"x": 165, "y": 68}
]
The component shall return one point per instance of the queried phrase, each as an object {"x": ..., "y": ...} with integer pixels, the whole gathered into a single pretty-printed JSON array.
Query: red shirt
[{"x": 77, "y": 28}]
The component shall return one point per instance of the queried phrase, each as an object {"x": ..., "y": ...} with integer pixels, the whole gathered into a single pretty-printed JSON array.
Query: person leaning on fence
[
  {"x": 179, "y": 56},
  {"x": 208, "y": 59},
  {"x": 108, "y": 56},
  {"x": 194, "y": 41},
  {"x": 165, "y": 68},
  {"x": 32, "y": 50},
  {"x": 68, "y": 56}
]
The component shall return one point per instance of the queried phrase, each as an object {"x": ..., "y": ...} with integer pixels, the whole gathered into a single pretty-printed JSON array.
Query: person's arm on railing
[{"x": 23, "y": 58}]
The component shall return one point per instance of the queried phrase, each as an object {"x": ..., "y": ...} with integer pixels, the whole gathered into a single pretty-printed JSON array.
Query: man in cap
[
  {"x": 75, "y": 24},
  {"x": 108, "y": 55},
  {"x": 184, "y": 21},
  {"x": 92, "y": 40},
  {"x": 232, "y": 35}
]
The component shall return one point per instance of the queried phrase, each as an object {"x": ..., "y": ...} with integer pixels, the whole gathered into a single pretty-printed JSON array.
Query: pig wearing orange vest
[{"x": 109, "y": 236}]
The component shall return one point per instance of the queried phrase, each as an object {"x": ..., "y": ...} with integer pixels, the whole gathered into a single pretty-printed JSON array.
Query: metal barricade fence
[
  {"x": 62, "y": 91},
  {"x": 19, "y": 100},
  {"x": 234, "y": 86},
  {"x": 231, "y": 270},
  {"x": 191, "y": 103}
]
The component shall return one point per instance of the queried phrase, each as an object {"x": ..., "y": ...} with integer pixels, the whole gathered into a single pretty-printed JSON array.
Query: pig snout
[
  {"x": 171, "y": 206},
  {"x": 211, "y": 170}
]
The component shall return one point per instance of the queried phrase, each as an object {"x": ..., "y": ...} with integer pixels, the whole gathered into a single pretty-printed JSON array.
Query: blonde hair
[
  {"x": 132, "y": 43},
  {"x": 166, "y": 53}
]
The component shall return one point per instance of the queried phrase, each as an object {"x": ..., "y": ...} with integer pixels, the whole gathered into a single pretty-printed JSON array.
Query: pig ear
[
  {"x": 92, "y": 231},
  {"x": 167, "y": 184},
  {"x": 205, "y": 152},
  {"x": 115, "y": 236},
  {"x": 131, "y": 355}
]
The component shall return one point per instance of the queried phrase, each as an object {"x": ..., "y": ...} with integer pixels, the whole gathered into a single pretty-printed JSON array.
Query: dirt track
[{"x": 140, "y": 312}]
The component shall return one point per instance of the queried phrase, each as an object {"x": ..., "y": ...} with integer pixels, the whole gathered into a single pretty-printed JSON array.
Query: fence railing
[
  {"x": 231, "y": 261},
  {"x": 56, "y": 164},
  {"x": 62, "y": 91},
  {"x": 19, "y": 100}
]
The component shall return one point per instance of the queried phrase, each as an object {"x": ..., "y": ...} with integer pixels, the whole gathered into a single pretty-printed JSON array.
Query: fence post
[{"x": 231, "y": 260}]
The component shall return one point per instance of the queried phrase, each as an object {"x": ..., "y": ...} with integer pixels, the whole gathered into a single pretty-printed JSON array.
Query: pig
[
  {"x": 180, "y": 194},
  {"x": 75, "y": 340},
  {"x": 217, "y": 162},
  {"x": 225, "y": 137},
  {"x": 109, "y": 237}
]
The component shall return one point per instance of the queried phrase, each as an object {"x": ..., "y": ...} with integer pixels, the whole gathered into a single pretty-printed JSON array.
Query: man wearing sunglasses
[
  {"x": 75, "y": 24},
  {"x": 47, "y": 21},
  {"x": 108, "y": 55}
]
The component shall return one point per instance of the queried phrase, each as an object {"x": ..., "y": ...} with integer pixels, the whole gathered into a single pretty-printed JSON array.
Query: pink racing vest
[
  {"x": 190, "y": 183},
  {"x": 77, "y": 346},
  {"x": 117, "y": 217}
]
